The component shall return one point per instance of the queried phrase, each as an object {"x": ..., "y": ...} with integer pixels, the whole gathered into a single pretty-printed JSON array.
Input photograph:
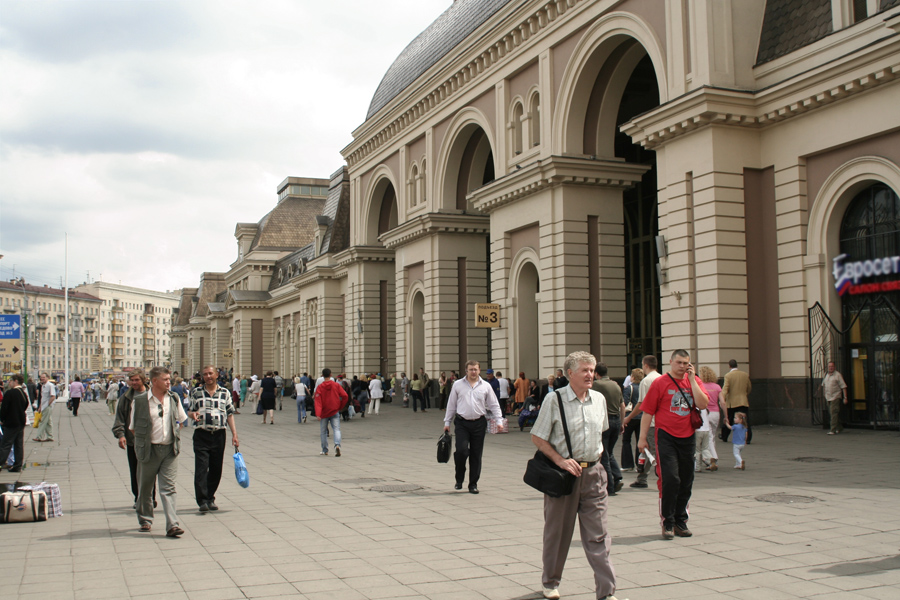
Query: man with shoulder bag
[{"x": 571, "y": 439}]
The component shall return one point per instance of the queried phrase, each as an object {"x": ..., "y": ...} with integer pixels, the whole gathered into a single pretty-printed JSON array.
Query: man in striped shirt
[{"x": 211, "y": 410}]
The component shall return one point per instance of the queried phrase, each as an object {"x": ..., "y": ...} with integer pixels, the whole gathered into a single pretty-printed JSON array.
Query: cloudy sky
[{"x": 145, "y": 129}]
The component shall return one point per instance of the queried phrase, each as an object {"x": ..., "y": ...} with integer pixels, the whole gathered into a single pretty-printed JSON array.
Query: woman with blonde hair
[{"x": 712, "y": 389}]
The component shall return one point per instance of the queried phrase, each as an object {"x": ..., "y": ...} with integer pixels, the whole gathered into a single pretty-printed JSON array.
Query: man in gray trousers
[
  {"x": 586, "y": 420},
  {"x": 156, "y": 420}
]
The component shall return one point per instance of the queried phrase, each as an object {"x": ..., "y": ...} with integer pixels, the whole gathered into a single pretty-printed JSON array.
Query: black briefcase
[{"x": 443, "y": 447}]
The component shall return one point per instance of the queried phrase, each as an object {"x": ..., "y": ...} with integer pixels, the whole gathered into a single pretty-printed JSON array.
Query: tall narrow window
[
  {"x": 412, "y": 185},
  {"x": 534, "y": 119},
  {"x": 516, "y": 127}
]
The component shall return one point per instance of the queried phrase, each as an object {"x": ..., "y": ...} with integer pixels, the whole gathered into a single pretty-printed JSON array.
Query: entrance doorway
[
  {"x": 417, "y": 354},
  {"x": 870, "y": 229},
  {"x": 528, "y": 329}
]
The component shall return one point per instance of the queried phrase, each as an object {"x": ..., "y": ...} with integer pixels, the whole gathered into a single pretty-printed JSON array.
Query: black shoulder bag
[
  {"x": 696, "y": 417},
  {"x": 542, "y": 474}
]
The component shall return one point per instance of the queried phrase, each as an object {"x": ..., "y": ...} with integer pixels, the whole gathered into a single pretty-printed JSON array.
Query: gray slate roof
[
  {"x": 336, "y": 214},
  {"x": 250, "y": 296},
  {"x": 789, "y": 25},
  {"x": 290, "y": 224},
  {"x": 443, "y": 35}
]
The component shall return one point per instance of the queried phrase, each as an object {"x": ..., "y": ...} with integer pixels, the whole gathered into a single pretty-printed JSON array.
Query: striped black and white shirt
[{"x": 214, "y": 409}]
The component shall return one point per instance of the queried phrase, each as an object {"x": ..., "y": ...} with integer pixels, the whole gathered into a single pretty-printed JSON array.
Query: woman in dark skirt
[{"x": 267, "y": 397}]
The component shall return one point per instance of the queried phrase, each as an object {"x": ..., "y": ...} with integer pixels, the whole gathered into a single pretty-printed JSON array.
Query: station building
[{"x": 626, "y": 177}]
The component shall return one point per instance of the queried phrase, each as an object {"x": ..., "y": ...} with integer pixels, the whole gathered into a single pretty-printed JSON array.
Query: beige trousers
[{"x": 588, "y": 502}]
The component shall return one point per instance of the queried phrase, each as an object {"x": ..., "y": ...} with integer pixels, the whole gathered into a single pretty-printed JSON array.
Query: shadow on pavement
[
  {"x": 850, "y": 569},
  {"x": 95, "y": 534}
]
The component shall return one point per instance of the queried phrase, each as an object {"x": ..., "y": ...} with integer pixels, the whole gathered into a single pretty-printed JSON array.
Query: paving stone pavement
[{"x": 314, "y": 527}]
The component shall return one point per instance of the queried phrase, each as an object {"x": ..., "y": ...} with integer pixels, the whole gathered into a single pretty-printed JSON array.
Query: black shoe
[
  {"x": 212, "y": 505},
  {"x": 15, "y": 469},
  {"x": 154, "y": 504},
  {"x": 638, "y": 484},
  {"x": 619, "y": 485},
  {"x": 611, "y": 493},
  {"x": 473, "y": 489},
  {"x": 204, "y": 507},
  {"x": 681, "y": 530},
  {"x": 457, "y": 486}
]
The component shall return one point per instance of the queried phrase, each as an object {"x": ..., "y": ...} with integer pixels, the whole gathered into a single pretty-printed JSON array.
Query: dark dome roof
[{"x": 445, "y": 33}]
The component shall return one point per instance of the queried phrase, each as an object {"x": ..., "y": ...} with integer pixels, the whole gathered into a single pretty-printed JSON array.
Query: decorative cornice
[
  {"x": 314, "y": 274},
  {"x": 552, "y": 172},
  {"x": 363, "y": 254},
  {"x": 432, "y": 224},
  {"x": 475, "y": 69},
  {"x": 715, "y": 106}
]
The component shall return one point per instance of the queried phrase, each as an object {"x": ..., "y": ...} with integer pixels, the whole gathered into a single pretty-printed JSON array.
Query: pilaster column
[{"x": 791, "y": 220}]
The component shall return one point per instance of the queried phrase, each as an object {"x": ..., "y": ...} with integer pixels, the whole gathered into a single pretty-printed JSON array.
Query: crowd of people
[{"x": 577, "y": 416}]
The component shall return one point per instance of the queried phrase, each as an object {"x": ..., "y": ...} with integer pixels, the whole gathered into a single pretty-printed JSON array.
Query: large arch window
[{"x": 871, "y": 225}]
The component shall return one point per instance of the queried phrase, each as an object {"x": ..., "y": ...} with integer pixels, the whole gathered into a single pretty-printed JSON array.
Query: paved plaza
[{"x": 813, "y": 516}]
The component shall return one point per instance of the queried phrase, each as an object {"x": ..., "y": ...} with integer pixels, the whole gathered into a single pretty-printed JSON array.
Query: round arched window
[{"x": 871, "y": 225}]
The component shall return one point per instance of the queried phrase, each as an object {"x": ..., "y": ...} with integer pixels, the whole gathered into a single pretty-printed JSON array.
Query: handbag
[
  {"x": 51, "y": 490},
  {"x": 696, "y": 417},
  {"x": 543, "y": 474},
  {"x": 498, "y": 426},
  {"x": 37, "y": 419},
  {"x": 443, "y": 447},
  {"x": 240, "y": 470},
  {"x": 23, "y": 507}
]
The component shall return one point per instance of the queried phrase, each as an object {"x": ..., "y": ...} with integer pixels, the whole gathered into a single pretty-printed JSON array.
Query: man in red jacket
[{"x": 330, "y": 398}]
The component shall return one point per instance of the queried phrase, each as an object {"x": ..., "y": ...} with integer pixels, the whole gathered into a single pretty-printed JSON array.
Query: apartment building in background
[{"x": 133, "y": 325}]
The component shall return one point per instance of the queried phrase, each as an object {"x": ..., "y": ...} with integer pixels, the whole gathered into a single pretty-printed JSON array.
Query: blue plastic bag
[{"x": 240, "y": 470}]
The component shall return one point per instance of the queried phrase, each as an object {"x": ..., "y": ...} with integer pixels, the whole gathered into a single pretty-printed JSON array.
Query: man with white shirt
[
  {"x": 503, "y": 394},
  {"x": 156, "y": 421},
  {"x": 648, "y": 366},
  {"x": 586, "y": 418},
  {"x": 469, "y": 402},
  {"x": 48, "y": 397}
]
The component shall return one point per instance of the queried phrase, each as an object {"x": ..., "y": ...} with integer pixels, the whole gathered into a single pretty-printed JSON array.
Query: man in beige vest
[
  {"x": 735, "y": 393},
  {"x": 156, "y": 420}
]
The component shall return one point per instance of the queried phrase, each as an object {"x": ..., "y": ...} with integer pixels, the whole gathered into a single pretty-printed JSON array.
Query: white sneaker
[{"x": 551, "y": 593}]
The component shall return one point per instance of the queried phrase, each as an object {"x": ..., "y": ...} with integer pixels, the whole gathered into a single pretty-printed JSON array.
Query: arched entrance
[
  {"x": 417, "y": 331},
  {"x": 642, "y": 287},
  {"x": 528, "y": 285},
  {"x": 383, "y": 214},
  {"x": 468, "y": 162},
  {"x": 298, "y": 351},
  {"x": 616, "y": 75},
  {"x": 870, "y": 305}
]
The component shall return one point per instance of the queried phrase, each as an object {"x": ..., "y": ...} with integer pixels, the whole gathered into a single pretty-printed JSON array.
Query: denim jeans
[
  {"x": 301, "y": 408},
  {"x": 335, "y": 421}
]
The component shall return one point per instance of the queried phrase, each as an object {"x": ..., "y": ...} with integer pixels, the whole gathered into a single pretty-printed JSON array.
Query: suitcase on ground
[{"x": 23, "y": 507}]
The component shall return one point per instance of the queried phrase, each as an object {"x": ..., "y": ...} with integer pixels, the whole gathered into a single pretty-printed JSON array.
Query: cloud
[{"x": 147, "y": 129}]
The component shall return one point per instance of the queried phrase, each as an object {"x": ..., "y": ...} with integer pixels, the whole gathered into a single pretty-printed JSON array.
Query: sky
[{"x": 144, "y": 130}]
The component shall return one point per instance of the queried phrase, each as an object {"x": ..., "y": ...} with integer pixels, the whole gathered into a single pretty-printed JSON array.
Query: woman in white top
[
  {"x": 375, "y": 395},
  {"x": 301, "y": 391},
  {"x": 254, "y": 389}
]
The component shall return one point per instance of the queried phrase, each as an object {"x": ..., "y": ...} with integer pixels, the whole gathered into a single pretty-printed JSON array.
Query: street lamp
[{"x": 21, "y": 282}]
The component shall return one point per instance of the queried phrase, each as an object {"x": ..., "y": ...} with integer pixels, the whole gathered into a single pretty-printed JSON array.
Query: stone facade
[{"x": 627, "y": 177}]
